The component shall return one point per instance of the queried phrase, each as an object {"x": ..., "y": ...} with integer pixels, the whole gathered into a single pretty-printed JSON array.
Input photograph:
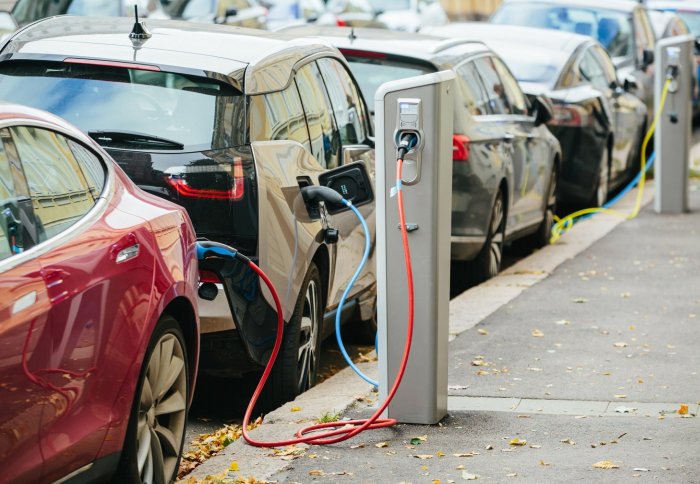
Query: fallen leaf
[
  {"x": 233, "y": 466},
  {"x": 537, "y": 333},
  {"x": 621, "y": 344},
  {"x": 563, "y": 322},
  {"x": 535, "y": 446},
  {"x": 460, "y": 467},
  {"x": 482, "y": 332},
  {"x": 424, "y": 468},
  {"x": 567, "y": 441},
  {"x": 357, "y": 446},
  {"x": 440, "y": 454},
  {"x": 683, "y": 410},
  {"x": 517, "y": 441},
  {"x": 641, "y": 469},
  {"x": 512, "y": 474},
  {"x": 316, "y": 472},
  {"x": 620, "y": 396},
  {"x": 466, "y": 454},
  {"x": 295, "y": 409},
  {"x": 469, "y": 477},
  {"x": 424, "y": 456},
  {"x": 605, "y": 464},
  {"x": 419, "y": 440},
  {"x": 489, "y": 447},
  {"x": 479, "y": 363},
  {"x": 580, "y": 300},
  {"x": 381, "y": 445},
  {"x": 544, "y": 464},
  {"x": 482, "y": 372}
]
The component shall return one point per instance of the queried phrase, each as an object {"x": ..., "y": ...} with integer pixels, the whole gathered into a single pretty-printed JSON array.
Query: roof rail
[{"x": 448, "y": 43}]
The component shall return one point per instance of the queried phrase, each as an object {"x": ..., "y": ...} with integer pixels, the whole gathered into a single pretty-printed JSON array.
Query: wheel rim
[
  {"x": 161, "y": 420},
  {"x": 308, "y": 335},
  {"x": 496, "y": 248},
  {"x": 602, "y": 191}
]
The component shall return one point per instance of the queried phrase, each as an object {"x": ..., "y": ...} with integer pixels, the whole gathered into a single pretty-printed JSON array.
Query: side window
[
  {"x": 516, "y": 98},
  {"x": 61, "y": 194},
  {"x": 346, "y": 101},
  {"x": 323, "y": 133},
  {"x": 591, "y": 71},
  {"x": 278, "y": 116},
  {"x": 498, "y": 102},
  {"x": 474, "y": 94},
  {"x": 606, "y": 62}
]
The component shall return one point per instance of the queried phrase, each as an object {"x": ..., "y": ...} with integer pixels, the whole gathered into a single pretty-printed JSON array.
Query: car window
[
  {"x": 278, "y": 116},
  {"x": 476, "y": 100},
  {"x": 516, "y": 98},
  {"x": 61, "y": 193},
  {"x": 607, "y": 64},
  {"x": 323, "y": 133},
  {"x": 591, "y": 71},
  {"x": 371, "y": 72},
  {"x": 347, "y": 105},
  {"x": 498, "y": 102},
  {"x": 644, "y": 32}
]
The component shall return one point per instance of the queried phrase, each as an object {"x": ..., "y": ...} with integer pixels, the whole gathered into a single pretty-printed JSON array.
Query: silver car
[{"x": 505, "y": 160}]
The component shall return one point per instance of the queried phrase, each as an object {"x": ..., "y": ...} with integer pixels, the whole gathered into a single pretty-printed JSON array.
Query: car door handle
[
  {"x": 127, "y": 248},
  {"x": 24, "y": 302}
]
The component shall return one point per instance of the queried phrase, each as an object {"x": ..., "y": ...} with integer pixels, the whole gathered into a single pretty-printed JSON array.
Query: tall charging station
[
  {"x": 424, "y": 106},
  {"x": 674, "y": 59}
]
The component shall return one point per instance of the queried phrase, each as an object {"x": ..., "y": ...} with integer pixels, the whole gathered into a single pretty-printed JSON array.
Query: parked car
[
  {"x": 621, "y": 26},
  {"x": 285, "y": 13},
  {"x": 228, "y": 123},
  {"x": 505, "y": 160},
  {"x": 239, "y": 13},
  {"x": 409, "y": 15},
  {"x": 98, "y": 318},
  {"x": 667, "y": 24},
  {"x": 597, "y": 120},
  {"x": 351, "y": 13}
]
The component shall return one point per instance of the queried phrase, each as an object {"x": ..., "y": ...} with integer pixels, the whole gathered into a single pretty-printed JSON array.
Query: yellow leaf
[
  {"x": 482, "y": 332},
  {"x": 424, "y": 468},
  {"x": 357, "y": 446},
  {"x": 381, "y": 445},
  {"x": 517, "y": 441},
  {"x": 620, "y": 396},
  {"x": 467, "y": 454},
  {"x": 460, "y": 467},
  {"x": 605, "y": 464},
  {"x": 537, "y": 333},
  {"x": 544, "y": 464},
  {"x": 316, "y": 472},
  {"x": 479, "y": 363},
  {"x": 436, "y": 481},
  {"x": 683, "y": 410},
  {"x": 233, "y": 466},
  {"x": 442, "y": 454},
  {"x": 295, "y": 409},
  {"x": 482, "y": 372},
  {"x": 424, "y": 456}
]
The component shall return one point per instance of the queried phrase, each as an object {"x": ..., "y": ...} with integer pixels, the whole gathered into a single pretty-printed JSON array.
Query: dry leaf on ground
[
  {"x": 517, "y": 441},
  {"x": 605, "y": 464},
  {"x": 537, "y": 333}
]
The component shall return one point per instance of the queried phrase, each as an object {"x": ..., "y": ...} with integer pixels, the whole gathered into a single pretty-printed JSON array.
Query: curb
[{"x": 343, "y": 390}]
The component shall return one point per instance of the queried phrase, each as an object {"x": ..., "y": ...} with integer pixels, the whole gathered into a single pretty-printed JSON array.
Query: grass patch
[{"x": 328, "y": 417}]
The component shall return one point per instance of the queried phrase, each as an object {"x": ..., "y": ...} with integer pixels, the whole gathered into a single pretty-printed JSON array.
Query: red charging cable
[{"x": 346, "y": 429}]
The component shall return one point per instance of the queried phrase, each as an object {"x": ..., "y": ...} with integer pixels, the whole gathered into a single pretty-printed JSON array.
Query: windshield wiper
[{"x": 107, "y": 138}]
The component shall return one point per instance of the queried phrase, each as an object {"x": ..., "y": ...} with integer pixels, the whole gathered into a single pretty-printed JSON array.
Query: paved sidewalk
[{"x": 587, "y": 362}]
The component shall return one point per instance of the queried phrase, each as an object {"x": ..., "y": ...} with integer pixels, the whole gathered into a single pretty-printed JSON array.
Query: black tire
[
  {"x": 541, "y": 237},
  {"x": 602, "y": 187},
  {"x": 487, "y": 263},
  {"x": 296, "y": 368},
  {"x": 158, "y": 426}
]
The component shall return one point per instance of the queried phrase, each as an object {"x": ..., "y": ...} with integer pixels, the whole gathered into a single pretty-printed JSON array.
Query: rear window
[
  {"x": 371, "y": 72},
  {"x": 141, "y": 109}
]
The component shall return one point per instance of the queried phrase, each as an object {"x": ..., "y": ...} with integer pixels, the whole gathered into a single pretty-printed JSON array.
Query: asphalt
[{"x": 586, "y": 350}]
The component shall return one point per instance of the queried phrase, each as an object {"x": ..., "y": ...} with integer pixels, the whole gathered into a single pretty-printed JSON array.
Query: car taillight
[
  {"x": 208, "y": 276},
  {"x": 341, "y": 23},
  {"x": 177, "y": 178},
  {"x": 570, "y": 115},
  {"x": 460, "y": 147}
]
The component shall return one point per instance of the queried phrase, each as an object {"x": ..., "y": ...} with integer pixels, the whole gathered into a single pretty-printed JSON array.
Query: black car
[
  {"x": 598, "y": 122},
  {"x": 229, "y": 123},
  {"x": 622, "y": 27}
]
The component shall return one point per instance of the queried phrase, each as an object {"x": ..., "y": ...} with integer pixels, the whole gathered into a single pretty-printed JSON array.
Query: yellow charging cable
[{"x": 565, "y": 223}]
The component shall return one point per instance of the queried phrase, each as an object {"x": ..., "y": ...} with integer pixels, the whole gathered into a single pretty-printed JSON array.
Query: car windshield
[
  {"x": 389, "y": 5},
  {"x": 611, "y": 28},
  {"x": 371, "y": 73},
  {"x": 529, "y": 64},
  {"x": 692, "y": 20},
  {"x": 138, "y": 108},
  {"x": 27, "y": 11}
]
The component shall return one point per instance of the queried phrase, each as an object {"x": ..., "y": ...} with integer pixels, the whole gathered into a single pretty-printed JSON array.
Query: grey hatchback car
[
  {"x": 229, "y": 123},
  {"x": 505, "y": 160}
]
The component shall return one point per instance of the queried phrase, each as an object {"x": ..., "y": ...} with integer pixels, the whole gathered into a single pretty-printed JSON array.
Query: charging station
[
  {"x": 423, "y": 106},
  {"x": 674, "y": 61}
]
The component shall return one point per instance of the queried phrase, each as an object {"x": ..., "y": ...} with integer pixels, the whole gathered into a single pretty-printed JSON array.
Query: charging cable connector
[{"x": 407, "y": 141}]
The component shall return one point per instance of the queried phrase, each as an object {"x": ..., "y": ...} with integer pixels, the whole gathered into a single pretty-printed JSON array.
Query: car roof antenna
[
  {"x": 139, "y": 32},
  {"x": 352, "y": 35}
]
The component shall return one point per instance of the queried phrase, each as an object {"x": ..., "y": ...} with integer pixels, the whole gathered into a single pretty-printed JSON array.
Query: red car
[{"x": 99, "y": 334}]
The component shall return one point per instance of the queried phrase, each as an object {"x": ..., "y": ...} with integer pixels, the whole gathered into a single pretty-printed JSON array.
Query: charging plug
[
  {"x": 316, "y": 194},
  {"x": 407, "y": 141}
]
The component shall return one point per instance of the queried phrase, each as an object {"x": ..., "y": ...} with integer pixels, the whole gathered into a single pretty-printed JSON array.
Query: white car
[{"x": 410, "y": 15}]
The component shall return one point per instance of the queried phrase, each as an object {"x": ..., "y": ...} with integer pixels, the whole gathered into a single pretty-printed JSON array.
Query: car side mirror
[
  {"x": 352, "y": 182},
  {"x": 630, "y": 84},
  {"x": 231, "y": 12},
  {"x": 8, "y": 22},
  {"x": 544, "y": 111},
  {"x": 647, "y": 58}
]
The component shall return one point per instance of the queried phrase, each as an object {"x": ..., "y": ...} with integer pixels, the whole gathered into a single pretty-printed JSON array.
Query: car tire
[
  {"x": 296, "y": 368},
  {"x": 487, "y": 263},
  {"x": 541, "y": 237},
  {"x": 602, "y": 187},
  {"x": 156, "y": 430}
]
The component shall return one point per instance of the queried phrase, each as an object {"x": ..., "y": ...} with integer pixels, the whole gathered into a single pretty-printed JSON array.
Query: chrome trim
[{"x": 467, "y": 239}]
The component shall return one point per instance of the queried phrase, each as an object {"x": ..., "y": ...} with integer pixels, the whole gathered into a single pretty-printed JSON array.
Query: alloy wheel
[
  {"x": 161, "y": 417},
  {"x": 308, "y": 336}
]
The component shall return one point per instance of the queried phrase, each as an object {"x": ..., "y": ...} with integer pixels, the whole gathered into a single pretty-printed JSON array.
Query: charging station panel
[{"x": 422, "y": 105}]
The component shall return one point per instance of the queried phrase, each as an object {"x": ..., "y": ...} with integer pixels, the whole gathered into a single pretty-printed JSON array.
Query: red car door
[
  {"x": 98, "y": 278},
  {"x": 24, "y": 307}
]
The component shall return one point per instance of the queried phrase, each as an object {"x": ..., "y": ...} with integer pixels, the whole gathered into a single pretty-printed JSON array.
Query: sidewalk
[{"x": 587, "y": 359}]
